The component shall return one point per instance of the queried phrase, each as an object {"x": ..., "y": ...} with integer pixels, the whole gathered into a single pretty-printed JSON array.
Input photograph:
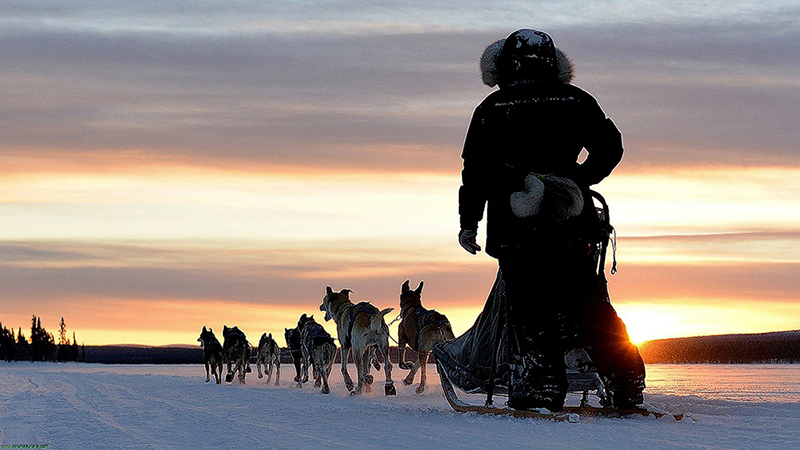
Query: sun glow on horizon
[
  {"x": 314, "y": 228},
  {"x": 675, "y": 318}
]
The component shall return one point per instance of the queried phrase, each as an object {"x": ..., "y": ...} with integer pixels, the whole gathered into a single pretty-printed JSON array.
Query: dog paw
[
  {"x": 420, "y": 389},
  {"x": 369, "y": 379},
  {"x": 261, "y": 376},
  {"x": 326, "y": 389},
  {"x": 390, "y": 390},
  {"x": 408, "y": 381},
  {"x": 349, "y": 385}
]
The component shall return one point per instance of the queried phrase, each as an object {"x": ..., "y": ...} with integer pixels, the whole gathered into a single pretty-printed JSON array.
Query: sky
[{"x": 165, "y": 166}]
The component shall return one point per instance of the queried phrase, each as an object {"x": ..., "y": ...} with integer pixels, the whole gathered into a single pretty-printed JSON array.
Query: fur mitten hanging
[{"x": 563, "y": 198}]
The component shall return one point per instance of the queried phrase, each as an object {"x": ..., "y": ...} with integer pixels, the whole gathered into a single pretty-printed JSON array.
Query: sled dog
[
  {"x": 269, "y": 354},
  {"x": 237, "y": 352},
  {"x": 212, "y": 354},
  {"x": 360, "y": 328},
  {"x": 292, "y": 336},
  {"x": 318, "y": 350},
  {"x": 420, "y": 329}
]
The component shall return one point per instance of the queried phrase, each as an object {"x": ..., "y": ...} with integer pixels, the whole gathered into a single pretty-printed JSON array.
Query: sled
[{"x": 571, "y": 414}]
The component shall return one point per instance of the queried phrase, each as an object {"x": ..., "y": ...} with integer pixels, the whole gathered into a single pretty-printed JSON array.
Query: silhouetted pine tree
[
  {"x": 43, "y": 346},
  {"x": 73, "y": 349},
  {"x": 63, "y": 342},
  {"x": 7, "y": 344},
  {"x": 23, "y": 348}
]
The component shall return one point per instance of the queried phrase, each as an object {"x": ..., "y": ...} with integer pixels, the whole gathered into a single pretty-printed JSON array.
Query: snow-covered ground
[{"x": 137, "y": 406}]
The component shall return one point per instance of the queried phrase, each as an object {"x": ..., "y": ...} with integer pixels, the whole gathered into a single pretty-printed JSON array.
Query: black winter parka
[{"x": 540, "y": 127}]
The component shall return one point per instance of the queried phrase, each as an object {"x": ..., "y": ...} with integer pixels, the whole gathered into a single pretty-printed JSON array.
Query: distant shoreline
[{"x": 762, "y": 348}]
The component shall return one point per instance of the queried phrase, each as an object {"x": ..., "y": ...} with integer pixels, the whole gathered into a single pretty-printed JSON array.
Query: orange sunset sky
[{"x": 165, "y": 167}]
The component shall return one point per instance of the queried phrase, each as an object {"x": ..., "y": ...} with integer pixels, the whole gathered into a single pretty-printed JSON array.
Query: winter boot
[{"x": 536, "y": 384}]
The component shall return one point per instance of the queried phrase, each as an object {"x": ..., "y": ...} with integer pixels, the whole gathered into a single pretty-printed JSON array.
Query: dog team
[{"x": 362, "y": 333}]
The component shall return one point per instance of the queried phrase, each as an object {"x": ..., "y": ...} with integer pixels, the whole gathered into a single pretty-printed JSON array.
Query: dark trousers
[
  {"x": 537, "y": 288},
  {"x": 556, "y": 302}
]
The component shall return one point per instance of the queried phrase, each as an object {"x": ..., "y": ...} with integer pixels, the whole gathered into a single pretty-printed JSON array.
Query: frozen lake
[
  {"x": 779, "y": 383},
  {"x": 149, "y": 406}
]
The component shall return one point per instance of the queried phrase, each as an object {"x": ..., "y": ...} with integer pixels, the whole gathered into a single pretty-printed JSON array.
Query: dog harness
[
  {"x": 354, "y": 310},
  {"x": 214, "y": 346},
  {"x": 426, "y": 317},
  {"x": 313, "y": 331},
  {"x": 294, "y": 343}
]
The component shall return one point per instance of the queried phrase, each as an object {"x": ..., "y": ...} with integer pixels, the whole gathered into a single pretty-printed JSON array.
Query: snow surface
[{"x": 149, "y": 406}]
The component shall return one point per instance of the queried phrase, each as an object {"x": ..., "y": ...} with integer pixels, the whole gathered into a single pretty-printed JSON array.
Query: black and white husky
[
  {"x": 212, "y": 354},
  {"x": 269, "y": 353},
  {"x": 237, "y": 352},
  {"x": 318, "y": 350}
]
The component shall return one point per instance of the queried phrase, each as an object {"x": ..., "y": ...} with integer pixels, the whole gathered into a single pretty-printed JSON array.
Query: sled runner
[{"x": 570, "y": 414}]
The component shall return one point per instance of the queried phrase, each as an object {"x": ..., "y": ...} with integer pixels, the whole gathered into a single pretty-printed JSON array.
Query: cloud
[{"x": 217, "y": 92}]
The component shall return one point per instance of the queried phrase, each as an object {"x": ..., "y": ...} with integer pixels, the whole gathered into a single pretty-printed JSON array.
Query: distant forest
[
  {"x": 778, "y": 347},
  {"x": 41, "y": 346}
]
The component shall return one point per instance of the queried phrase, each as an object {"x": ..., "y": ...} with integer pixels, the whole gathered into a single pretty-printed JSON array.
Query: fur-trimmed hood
[{"x": 492, "y": 76}]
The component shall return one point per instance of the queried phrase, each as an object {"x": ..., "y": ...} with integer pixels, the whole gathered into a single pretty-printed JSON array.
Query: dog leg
[
  {"x": 366, "y": 362},
  {"x": 208, "y": 374},
  {"x": 326, "y": 368},
  {"x": 423, "y": 360},
  {"x": 374, "y": 359},
  {"x": 401, "y": 344},
  {"x": 317, "y": 365},
  {"x": 278, "y": 370},
  {"x": 296, "y": 362},
  {"x": 409, "y": 379},
  {"x": 259, "y": 362},
  {"x": 358, "y": 358},
  {"x": 326, "y": 389},
  {"x": 304, "y": 364},
  {"x": 348, "y": 382},
  {"x": 240, "y": 368},
  {"x": 401, "y": 361},
  {"x": 389, "y": 388}
]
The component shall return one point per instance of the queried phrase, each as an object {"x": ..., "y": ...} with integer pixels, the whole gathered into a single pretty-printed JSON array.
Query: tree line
[
  {"x": 42, "y": 346},
  {"x": 776, "y": 347}
]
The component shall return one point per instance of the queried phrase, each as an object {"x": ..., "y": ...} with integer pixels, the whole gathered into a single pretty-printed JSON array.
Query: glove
[{"x": 467, "y": 239}]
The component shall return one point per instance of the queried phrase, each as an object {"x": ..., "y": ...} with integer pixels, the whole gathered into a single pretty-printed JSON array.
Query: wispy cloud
[{"x": 682, "y": 92}]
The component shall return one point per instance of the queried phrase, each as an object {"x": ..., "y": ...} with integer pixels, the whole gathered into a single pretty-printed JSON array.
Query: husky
[
  {"x": 361, "y": 327},
  {"x": 292, "y": 336},
  {"x": 421, "y": 329},
  {"x": 269, "y": 353},
  {"x": 237, "y": 351},
  {"x": 318, "y": 350},
  {"x": 212, "y": 354}
]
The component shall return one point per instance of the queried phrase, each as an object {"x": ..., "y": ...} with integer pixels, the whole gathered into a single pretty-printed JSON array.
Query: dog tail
[{"x": 378, "y": 324}]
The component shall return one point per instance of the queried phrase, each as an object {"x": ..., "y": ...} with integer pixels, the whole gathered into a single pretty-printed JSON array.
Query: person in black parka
[{"x": 521, "y": 159}]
